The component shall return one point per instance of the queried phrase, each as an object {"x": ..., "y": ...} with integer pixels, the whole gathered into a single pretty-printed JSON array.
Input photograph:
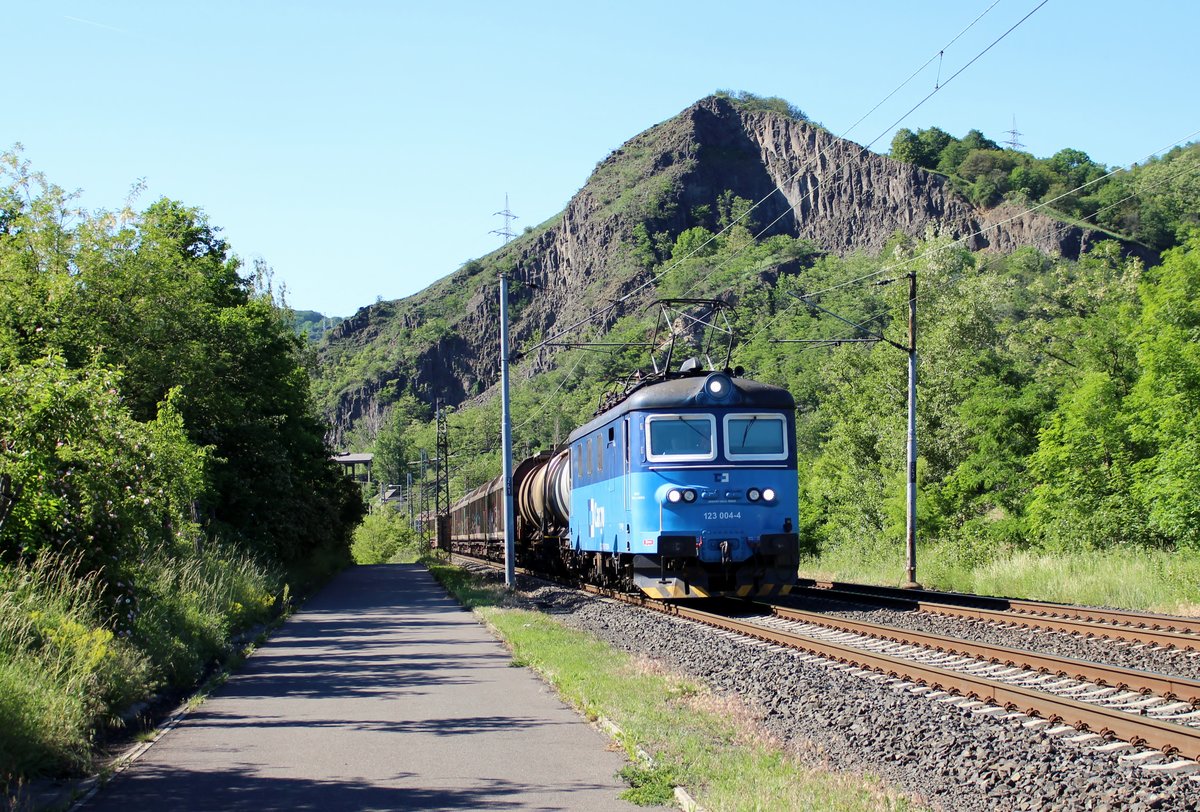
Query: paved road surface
[{"x": 383, "y": 693}]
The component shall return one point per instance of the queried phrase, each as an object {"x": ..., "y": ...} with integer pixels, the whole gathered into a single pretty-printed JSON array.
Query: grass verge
[
  {"x": 1129, "y": 578},
  {"x": 703, "y": 742}
]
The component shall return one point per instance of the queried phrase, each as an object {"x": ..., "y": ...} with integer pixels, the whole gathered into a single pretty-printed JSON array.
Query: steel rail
[
  {"x": 1163, "y": 630},
  {"x": 1164, "y": 685}
]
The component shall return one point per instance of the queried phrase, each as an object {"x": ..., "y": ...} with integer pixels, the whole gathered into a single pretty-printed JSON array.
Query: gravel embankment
[{"x": 947, "y": 757}]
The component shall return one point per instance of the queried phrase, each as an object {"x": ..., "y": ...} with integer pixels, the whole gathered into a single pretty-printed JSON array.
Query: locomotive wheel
[{"x": 625, "y": 577}]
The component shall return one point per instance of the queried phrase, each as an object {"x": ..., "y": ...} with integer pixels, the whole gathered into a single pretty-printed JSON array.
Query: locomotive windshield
[
  {"x": 677, "y": 437},
  {"x": 755, "y": 436}
]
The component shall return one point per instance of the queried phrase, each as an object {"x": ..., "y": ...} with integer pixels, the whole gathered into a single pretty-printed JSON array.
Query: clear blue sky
[{"x": 361, "y": 148}]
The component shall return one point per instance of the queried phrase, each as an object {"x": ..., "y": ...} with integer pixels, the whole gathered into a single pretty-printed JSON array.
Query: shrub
[{"x": 384, "y": 536}]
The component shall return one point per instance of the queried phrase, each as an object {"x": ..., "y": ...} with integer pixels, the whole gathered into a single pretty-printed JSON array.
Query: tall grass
[
  {"x": 191, "y": 607},
  {"x": 1133, "y": 578},
  {"x": 1128, "y": 577},
  {"x": 66, "y": 674},
  {"x": 62, "y": 672}
]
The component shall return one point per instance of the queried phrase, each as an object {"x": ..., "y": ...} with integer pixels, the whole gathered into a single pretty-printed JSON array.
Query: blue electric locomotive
[{"x": 687, "y": 488}]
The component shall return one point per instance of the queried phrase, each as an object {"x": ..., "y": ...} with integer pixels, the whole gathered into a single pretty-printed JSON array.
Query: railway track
[
  {"x": 1099, "y": 674},
  {"x": 1166, "y": 631},
  {"x": 948, "y": 667},
  {"x": 1111, "y": 707}
]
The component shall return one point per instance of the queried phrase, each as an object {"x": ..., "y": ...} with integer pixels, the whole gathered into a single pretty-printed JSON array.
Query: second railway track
[
  {"x": 1101, "y": 674},
  {"x": 1166, "y": 631},
  {"x": 1011, "y": 688}
]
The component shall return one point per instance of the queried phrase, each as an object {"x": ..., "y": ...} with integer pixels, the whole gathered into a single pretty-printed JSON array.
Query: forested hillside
[
  {"x": 313, "y": 325},
  {"x": 163, "y": 472},
  {"x": 702, "y": 169},
  {"x": 1059, "y": 392},
  {"x": 1059, "y": 399},
  {"x": 1153, "y": 204}
]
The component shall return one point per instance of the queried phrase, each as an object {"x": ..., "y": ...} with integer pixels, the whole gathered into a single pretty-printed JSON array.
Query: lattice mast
[{"x": 1014, "y": 137}]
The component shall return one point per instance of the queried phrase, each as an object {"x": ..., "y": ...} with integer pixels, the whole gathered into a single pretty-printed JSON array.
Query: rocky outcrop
[
  {"x": 845, "y": 198},
  {"x": 811, "y": 184}
]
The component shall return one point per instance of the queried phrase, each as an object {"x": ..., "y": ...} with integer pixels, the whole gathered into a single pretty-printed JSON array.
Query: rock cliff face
[
  {"x": 812, "y": 185},
  {"x": 846, "y": 199}
]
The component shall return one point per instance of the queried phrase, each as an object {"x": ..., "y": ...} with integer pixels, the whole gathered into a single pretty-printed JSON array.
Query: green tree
[
  {"x": 697, "y": 241},
  {"x": 933, "y": 141},
  {"x": 987, "y": 172},
  {"x": 732, "y": 210},
  {"x": 394, "y": 453},
  {"x": 1029, "y": 180},
  {"x": 91, "y": 483},
  {"x": 1167, "y": 203},
  {"x": 1082, "y": 464},
  {"x": 907, "y": 147},
  {"x": 957, "y": 150},
  {"x": 1073, "y": 167},
  {"x": 922, "y": 148},
  {"x": 158, "y": 296},
  {"x": 643, "y": 246},
  {"x": 1164, "y": 406}
]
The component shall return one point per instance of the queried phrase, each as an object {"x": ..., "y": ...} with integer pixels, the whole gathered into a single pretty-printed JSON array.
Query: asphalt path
[{"x": 382, "y": 693}]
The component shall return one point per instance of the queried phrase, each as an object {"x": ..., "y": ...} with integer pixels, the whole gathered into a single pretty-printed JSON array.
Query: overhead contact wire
[
  {"x": 1191, "y": 169},
  {"x": 938, "y": 86},
  {"x": 939, "y": 249},
  {"x": 918, "y": 71},
  {"x": 954, "y": 75}
]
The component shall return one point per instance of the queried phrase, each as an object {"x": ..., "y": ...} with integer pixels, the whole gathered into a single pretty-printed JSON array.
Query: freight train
[{"x": 685, "y": 488}]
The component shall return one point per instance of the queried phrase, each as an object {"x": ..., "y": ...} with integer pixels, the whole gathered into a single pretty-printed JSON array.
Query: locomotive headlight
[
  {"x": 674, "y": 496},
  {"x": 718, "y": 386},
  {"x": 754, "y": 494},
  {"x": 689, "y": 496},
  {"x": 768, "y": 494}
]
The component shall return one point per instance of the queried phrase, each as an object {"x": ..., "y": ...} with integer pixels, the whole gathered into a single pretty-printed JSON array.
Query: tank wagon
[{"x": 686, "y": 488}]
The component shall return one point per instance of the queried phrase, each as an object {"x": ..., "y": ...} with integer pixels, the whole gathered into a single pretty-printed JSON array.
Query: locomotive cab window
[
  {"x": 681, "y": 438},
  {"x": 756, "y": 437}
]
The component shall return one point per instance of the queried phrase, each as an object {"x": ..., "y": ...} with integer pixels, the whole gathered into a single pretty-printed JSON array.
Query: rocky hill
[{"x": 441, "y": 343}]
